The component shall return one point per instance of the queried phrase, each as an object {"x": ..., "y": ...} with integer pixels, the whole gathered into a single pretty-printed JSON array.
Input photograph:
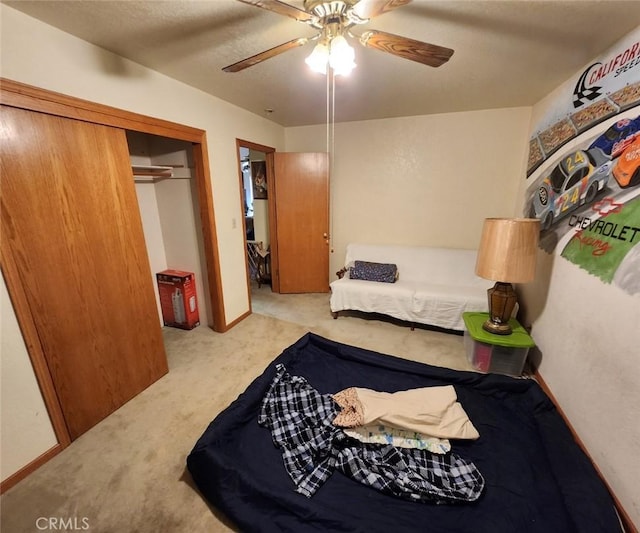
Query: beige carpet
[{"x": 128, "y": 473}]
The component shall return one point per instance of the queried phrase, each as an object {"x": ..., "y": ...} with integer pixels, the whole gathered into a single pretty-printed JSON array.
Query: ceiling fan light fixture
[
  {"x": 318, "y": 59},
  {"x": 341, "y": 56},
  {"x": 334, "y": 19}
]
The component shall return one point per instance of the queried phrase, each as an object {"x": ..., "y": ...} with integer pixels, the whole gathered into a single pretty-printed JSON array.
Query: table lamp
[{"x": 507, "y": 254}]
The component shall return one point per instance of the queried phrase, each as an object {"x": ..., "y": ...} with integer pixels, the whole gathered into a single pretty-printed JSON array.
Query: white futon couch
[{"x": 434, "y": 286}]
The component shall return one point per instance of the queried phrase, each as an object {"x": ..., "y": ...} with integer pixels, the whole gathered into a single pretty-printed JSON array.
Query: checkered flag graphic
[{"x": 582, "y": 92}]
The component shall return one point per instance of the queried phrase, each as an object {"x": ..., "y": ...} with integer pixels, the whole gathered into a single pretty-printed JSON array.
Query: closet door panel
[{"x": 70, "y": 220}]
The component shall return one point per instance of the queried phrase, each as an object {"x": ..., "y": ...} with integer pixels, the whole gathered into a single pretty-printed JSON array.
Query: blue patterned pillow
[{"x": 384, "y": 272}]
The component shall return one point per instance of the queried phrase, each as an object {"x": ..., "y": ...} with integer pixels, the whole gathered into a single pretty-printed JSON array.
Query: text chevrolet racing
[{"x": 574, "y": 181}]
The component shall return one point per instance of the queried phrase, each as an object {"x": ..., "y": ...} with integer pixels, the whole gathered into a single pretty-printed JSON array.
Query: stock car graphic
[
  {"x": 626, "y": 170},
  {"x": 574, "y": 181},
  {"x": 617, "y": 137}
]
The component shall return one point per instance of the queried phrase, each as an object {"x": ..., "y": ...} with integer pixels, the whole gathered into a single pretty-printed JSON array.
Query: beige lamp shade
[{"x": 508, "y": 249}]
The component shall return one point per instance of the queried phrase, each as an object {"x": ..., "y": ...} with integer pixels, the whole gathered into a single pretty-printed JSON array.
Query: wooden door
[
  {"x": 71, "y": 224},
  {"x": 302, "y": 221}
]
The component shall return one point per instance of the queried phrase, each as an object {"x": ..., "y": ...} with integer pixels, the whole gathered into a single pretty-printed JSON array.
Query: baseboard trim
[
  {"x": 29, "y": 468},
  {"x": 236, "y": 321},
  {"x": 625, "y": 519}
]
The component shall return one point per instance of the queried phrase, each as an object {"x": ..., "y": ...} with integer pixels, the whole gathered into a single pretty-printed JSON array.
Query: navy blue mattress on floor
[{"x": 536, "y": 477}]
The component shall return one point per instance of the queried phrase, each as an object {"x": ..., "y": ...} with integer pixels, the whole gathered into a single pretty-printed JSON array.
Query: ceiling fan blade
[
  {"x": 425, "y": 53},
  {"x": 367, "y": 9},
  {"x": 267, "y": 54},
  {"x": 283, "y": 9}
]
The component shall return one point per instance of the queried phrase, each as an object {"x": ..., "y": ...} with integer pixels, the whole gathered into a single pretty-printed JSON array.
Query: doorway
[
  {"x": 255, "y": 191},
  {"x": 294, "y": 209}
]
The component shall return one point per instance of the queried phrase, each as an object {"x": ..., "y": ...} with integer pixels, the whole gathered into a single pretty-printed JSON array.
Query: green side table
[{"x": 487, "y": 352}]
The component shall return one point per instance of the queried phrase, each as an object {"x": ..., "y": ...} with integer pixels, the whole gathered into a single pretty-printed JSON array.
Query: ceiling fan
[{"x": 334, "y": 19}]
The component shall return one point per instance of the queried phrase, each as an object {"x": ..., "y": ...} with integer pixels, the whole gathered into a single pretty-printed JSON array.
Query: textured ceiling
[{"x": 507, "y": 53}]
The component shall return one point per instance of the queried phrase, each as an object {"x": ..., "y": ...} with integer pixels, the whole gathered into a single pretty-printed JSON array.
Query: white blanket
[{"x": 435, "y": 285}]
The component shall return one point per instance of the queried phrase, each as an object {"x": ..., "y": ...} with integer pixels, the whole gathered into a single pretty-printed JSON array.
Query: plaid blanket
[{"x": 300, "y": 421}]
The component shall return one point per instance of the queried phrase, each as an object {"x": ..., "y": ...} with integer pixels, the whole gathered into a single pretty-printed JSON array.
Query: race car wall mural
[
  {"x": 576, "y": 180},
  {"x": 583, "y": 171}
]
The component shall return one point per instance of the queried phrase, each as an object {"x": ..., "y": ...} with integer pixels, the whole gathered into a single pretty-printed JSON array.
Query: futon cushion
[{"x": 365, "y": 270}]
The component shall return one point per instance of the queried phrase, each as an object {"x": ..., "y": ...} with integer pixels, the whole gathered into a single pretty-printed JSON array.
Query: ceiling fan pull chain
[{"x": 331, "y": 152}]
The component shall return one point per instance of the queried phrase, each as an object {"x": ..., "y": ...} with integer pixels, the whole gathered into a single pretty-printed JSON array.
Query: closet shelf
[{"x": 154, "y": 171}]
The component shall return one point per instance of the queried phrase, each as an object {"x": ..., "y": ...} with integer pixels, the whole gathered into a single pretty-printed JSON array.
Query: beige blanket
[{"x": 432, "y": 411}]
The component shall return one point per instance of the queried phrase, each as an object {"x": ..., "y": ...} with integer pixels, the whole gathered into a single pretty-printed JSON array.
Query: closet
[
  {"x": 71, "y": 225},
  {"x": 74, "y": 253},
  {"x": 163, "y": 172}
]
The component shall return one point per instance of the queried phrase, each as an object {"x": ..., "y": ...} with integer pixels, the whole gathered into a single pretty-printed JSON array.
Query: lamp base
[
  {"x": 502, "y": 300},
  {"x": 497, "y": 328}
]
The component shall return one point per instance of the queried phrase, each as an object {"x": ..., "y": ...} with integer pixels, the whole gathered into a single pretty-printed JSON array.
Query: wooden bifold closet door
[{"x": 71, "y": 224}]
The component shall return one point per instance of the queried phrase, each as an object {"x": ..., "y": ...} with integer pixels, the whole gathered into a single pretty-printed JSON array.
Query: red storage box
[{"x": 178, "y": 299}]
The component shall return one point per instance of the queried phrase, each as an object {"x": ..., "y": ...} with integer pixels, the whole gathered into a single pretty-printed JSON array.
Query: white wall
[
  {"x": 261, "y": 222},
  {"x": 26, "y": 428},
  {"x": 426, "y": 180},
  {"x": 150, "y": 215},
  {"x": 587, "y": 334}
]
